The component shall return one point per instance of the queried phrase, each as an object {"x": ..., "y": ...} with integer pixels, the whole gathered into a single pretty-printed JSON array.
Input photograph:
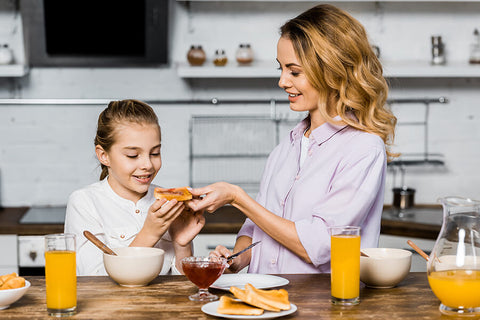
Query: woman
[{"x": 331, "y": 169}]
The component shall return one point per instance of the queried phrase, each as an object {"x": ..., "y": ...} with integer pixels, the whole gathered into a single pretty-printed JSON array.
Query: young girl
[
  {"x": 330, "y": 169},
  {"x": 120, "y": 209}
]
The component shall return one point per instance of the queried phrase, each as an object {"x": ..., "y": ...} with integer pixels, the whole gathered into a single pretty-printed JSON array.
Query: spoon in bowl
[
  {"x": 416, "y": 248},
  {"x": 102, "y": 246}
]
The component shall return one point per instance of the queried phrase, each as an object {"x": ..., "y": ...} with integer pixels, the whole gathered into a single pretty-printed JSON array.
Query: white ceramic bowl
[
  {"x": 134, "y": 266},
  {"x": 384, "y": 267},
  {"x": 9, "y": 296}
]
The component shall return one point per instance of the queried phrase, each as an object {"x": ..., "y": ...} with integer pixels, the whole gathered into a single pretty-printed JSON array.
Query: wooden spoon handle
[
  {"x": 416, "y": 248},
  {"x": 102, "y": 246}
]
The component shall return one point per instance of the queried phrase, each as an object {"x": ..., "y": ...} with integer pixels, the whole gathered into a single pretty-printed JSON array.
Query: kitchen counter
[
  {"x": 420, "y": 222},
  {"x": 167, "y": 298}
]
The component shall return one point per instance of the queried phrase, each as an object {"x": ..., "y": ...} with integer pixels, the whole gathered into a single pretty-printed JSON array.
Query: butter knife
[{"x": 242, "y": 251}]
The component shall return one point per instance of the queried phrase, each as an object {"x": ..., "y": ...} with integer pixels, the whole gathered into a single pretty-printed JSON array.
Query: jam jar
[
  {"x": 244, "y": 54},
  {"x": 196, "y": 56},
  {"x": 220, "y": 58}
]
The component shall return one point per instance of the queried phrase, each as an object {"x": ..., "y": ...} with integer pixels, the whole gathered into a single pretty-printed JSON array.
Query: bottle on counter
[
  {"x": 244, "y": 54},
  {"x": 438, "y": 51},
  {"x": 220, "y": 58},
  {"x": 6, "y": 54},
  {"x": 196, "y": 56},
  {"x": 475, "y": 48}
]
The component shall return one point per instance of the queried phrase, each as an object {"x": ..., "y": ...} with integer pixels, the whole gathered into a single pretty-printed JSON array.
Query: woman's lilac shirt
[{"x": 340, "y": 183}]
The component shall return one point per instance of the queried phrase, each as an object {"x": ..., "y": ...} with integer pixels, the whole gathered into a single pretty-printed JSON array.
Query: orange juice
[
  {"x": 61, "y": 279},
  {"x": 345, "y": 266},
  {"x": 456, "y": 288}
]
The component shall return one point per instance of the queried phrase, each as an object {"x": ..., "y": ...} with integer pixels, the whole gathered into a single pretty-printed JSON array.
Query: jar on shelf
[
  {"x": 196, "y": 56},
  {"x": 438, "y": 51},
  {"x": 475, "y": 48},
  {"x": 220, "y": 58},
  {"x": 6, "y": 54},
  {"x": 244, "y": 54}
]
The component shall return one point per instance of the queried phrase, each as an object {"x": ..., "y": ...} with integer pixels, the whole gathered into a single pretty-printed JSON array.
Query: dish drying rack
[
  {"x": 425, "y": 157},
  {"x": 234, "y": 148}
]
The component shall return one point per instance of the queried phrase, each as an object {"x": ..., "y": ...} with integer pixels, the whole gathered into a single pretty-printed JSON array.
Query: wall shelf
[
  {"x": 400, "y": 69},
  {"x": 419, "y": 1},
  {"x": 13, "y": 70}
]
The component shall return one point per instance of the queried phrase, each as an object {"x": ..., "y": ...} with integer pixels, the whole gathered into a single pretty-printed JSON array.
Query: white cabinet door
[
  {"x": 8, "y": 253},
  {"x": 418, "y": 263}
]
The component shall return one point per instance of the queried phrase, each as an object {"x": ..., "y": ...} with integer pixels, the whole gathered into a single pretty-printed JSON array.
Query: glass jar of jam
[
  {"x": 220, "y": 58},
  {"x": 196, "y": 56},
  {"x": 244, "y": 54}
]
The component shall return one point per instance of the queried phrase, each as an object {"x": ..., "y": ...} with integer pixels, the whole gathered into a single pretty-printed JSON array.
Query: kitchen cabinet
[{"x": 8, "y": 254}]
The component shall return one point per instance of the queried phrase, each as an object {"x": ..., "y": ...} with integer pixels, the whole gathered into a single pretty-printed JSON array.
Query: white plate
[
  {"x": 259, "y": 281},
  {"x": 211, "y": 309}
]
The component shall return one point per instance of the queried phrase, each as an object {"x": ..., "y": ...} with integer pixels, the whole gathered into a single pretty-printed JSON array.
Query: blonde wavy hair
[{"x": 339, "y": 62}]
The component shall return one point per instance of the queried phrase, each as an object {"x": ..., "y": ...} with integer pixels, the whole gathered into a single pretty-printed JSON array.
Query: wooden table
[{"x": 166, "y": 298}]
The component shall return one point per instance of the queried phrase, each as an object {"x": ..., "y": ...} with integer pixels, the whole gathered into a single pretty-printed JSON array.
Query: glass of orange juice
[
  {"x": 60, "y": 274},
  {"x": 345, "y": 265}
]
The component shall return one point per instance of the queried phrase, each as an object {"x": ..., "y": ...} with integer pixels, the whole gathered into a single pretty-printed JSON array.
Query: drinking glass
[
  {"x": 345, "y": 265},
  {"x": 60, "y": 274},
  {"x": 203, "y": 271}
]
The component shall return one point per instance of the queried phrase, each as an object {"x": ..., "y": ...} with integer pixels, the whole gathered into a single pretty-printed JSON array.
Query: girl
[
  {"x": 120, "y": 209},
  {"x": 331, "y": 168}
]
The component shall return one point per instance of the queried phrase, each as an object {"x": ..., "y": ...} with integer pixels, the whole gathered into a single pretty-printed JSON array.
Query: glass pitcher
[{"x": 454, "y": 265}]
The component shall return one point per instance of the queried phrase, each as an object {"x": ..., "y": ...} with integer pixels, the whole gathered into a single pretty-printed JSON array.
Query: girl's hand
[
  {"x": 186, "y": 226},
  {"x": 214, "y": 196},
  {"x": 161, "y": 215}
]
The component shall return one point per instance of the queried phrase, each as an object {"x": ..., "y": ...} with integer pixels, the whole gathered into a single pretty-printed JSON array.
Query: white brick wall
[{"x": 46, "y": 152}]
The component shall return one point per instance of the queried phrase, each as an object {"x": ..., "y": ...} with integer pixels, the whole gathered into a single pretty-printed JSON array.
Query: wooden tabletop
[{"x": 167, "y": 298}]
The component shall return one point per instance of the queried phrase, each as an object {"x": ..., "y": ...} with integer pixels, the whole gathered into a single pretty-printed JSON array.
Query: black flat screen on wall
[{"x": 96, "y": 32}]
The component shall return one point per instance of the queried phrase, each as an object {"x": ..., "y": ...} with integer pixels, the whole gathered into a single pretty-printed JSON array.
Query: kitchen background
[{"x": 46, "y": 150}]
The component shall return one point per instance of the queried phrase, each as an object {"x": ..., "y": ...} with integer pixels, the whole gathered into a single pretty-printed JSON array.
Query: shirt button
[
  {"x": 282, "y": 203},
  {"x": 310, "y": 153},
  {"x": 297, "y": 177},
  {"x": 122, "y": 236},
  {"x": 273, "y": 261},
  {"x": 137, "y": 211}
]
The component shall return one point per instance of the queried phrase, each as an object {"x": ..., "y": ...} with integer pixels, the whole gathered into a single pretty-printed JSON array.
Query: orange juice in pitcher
[{"x": 454, "y": 265}]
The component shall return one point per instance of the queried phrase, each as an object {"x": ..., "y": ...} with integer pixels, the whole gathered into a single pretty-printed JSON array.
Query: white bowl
[
  {"x": 384, "y": 267},
  {"x": 134, "y": 266},
  {"x": 9, "y": 296}
]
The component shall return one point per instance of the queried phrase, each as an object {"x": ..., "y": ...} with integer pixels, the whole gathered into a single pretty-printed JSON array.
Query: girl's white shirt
[{"x": 112, "y": 219}]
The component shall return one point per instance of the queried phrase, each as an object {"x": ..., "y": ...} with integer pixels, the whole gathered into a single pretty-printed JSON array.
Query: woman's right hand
[
  {"x": 213, "y": 196},
  {"x": 160, "y": 216}
]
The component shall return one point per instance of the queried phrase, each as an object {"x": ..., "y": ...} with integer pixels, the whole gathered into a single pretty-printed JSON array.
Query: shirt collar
[{"x": 320, "y": 134}]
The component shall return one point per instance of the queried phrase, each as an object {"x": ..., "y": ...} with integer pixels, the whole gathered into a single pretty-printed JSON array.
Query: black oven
[{"x": 95, "y": 33}]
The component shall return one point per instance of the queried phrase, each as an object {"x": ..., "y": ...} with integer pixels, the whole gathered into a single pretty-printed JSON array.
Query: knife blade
[{"x": 242, "y": 251}]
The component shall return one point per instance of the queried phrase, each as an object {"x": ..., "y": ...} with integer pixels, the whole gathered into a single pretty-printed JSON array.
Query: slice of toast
[
  {"x": 4, "y": 278},
  {"x": 228, "y": 305},
  {"x": 252, "y": 299},
  {"x": 275, "y": 298},
  {"x": 13, "y": 283}
]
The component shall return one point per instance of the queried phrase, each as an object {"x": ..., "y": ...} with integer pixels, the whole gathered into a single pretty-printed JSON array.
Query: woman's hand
[
  {"x": 213, "y": 196},
  {"x": 239, "y": 262},
  {"x": 186, "y": 226},
  {"x": 161, "y": 215}
]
